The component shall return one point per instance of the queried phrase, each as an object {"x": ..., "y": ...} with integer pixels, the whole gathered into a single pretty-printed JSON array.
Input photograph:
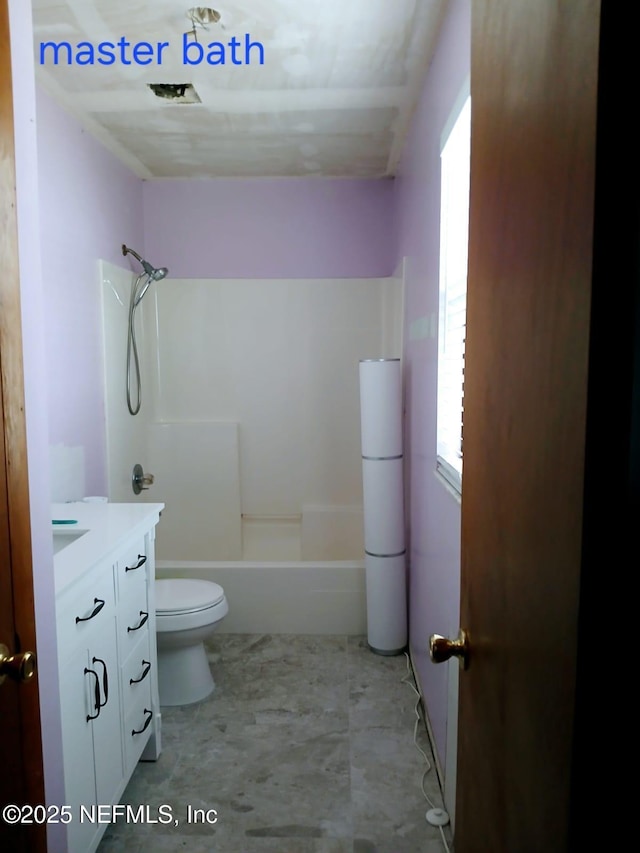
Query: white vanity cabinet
[{"x": 108, "y": 677}]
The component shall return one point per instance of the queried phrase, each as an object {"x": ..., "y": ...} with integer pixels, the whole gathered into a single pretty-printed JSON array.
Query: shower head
[
  {"x": 154, "y": 273},
  {"x": 159, "y": 274}
]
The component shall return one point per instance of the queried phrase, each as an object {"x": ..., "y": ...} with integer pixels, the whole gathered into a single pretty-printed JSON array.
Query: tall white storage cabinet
[
  {"x": 105, "y": 613},
  {"x": 383, "y": 500}
]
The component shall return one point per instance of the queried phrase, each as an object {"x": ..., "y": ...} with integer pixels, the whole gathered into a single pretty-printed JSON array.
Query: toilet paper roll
[
  {"x": 381, "y": 407},
  {"x": 386, "y": 604},
  {"x": 382, "y": 494}
]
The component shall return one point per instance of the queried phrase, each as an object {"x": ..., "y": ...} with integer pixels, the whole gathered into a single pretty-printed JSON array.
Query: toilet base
[{"x": 184, "y": 675}]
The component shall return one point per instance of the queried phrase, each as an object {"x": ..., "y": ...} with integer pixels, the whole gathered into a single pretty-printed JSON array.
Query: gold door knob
[
  {"x": 20, "y": 667},
  {"x": 441, "y": 648}
]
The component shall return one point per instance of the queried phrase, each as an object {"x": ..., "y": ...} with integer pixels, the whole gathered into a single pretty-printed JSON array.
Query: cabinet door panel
[
  {"x": 107, "y": 728},
  {"x": 77, "y": 699}
]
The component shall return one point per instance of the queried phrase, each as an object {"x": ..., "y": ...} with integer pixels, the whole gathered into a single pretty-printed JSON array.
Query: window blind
[{"x": 454, "y": 240}]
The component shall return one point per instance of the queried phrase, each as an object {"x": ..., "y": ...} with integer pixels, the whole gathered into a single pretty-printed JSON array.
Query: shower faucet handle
[{"x": 140, "y": 481}]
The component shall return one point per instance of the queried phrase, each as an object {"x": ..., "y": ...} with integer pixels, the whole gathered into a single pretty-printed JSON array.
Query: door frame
[
  {"x": 611, "y": 507},
  {"x": 13, "y": 435}
]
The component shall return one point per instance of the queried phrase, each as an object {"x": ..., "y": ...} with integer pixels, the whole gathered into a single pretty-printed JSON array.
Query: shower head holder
[{"x": 154, "y": 273}]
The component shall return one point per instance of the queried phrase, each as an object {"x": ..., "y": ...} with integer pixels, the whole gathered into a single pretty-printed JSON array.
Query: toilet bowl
[{"x": 187, "y": 612}]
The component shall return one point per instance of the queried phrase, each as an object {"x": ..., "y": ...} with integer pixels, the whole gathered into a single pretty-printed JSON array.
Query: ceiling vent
[
  {"x": 177, "y": 93},
  {"x": 202, "y": 16}
]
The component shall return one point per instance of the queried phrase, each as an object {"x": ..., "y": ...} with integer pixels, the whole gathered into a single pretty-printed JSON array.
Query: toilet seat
[
  {"x": 181, "y": 596},
  {"x": 185, "y": 604}
]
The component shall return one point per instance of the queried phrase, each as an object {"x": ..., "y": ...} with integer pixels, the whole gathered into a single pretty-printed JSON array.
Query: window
[{"x": 455, "y": 154}]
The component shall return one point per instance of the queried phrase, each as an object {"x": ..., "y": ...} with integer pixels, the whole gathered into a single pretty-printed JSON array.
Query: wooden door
[
  {"x": 549, "y": 334},
  {"x": 21, "y": 777}
]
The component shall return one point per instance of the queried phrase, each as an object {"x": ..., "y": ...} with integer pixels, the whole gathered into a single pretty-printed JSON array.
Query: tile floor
[{"x": 306, "y": 746}]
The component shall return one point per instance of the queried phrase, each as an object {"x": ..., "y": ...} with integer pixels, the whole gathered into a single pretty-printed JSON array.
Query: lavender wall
[
  {"x": 89, "y": 205},
  {"x": 434, "y": 512},
  {"x": 270, "y": 228}
]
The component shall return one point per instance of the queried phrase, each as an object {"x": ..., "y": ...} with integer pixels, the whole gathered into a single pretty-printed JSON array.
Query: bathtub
[
  {"x": 300, "y": 574},
  {"x": 288, "y": 597}
]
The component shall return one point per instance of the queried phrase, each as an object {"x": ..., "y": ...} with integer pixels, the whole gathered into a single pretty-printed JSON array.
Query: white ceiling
[{"x": 334, "y": 97}]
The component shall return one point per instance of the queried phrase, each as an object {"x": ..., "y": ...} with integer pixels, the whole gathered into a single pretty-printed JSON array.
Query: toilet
[{"x": 187, "y": 612}]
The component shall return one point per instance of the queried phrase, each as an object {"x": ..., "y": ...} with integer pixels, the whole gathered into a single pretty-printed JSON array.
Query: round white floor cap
[{"x": 437, "y": 817}]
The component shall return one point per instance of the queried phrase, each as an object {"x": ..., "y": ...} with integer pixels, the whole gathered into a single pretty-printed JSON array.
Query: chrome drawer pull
[
  {"x": 141, "y": 561},
  {"x": 147, "y": 667},
  {"x": 96, "y": 610},
  {"x": 146, "y": 723},
  {"x": 143, "y": 621}
]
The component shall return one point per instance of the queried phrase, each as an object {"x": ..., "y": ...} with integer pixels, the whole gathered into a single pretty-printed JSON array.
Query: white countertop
[{"x": 107, "y": 525}]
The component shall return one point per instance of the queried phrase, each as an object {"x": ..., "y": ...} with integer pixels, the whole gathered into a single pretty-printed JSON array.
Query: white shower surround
[{"x": 250, "y": 415}]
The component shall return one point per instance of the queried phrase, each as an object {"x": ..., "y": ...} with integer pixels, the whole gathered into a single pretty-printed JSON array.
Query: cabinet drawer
[
  {"x": 137, "y": 730},
  {"x": 137, "y": 676},
  {"x": 131, "y": 569},
  {"x": 135, "y": 622},
  {"x": 87, "y": 610}
]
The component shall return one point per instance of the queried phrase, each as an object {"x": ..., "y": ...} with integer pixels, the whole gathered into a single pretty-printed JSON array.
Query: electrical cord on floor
[{"x": 408, "y": 679}]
